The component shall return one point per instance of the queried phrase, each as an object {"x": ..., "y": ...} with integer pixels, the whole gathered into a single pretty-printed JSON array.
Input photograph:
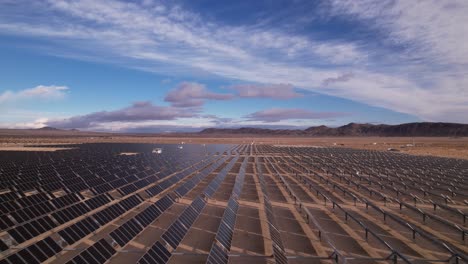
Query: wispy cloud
[
  {"x": 279, "y": 114},
  {"x": 190, "y": 94},
  {"x": 341, "y": 78},
  {"x": 275, "y": 91},
  {"x": 40, "y": 92},
  {"x": 139, "y": 111}
]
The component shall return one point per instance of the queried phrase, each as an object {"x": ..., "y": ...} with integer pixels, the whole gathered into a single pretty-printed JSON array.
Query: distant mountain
[
  {"x": 252, "y": 130},
  {"x": 47, "y": 128},
  {"x": 423, "y": 129}
]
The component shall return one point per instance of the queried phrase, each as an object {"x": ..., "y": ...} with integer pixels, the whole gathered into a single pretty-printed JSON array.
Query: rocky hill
[{"x": 423, "y": 129}]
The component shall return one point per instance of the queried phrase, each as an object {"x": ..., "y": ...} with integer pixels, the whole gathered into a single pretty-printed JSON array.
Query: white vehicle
[{"x": 157, "y": 150}]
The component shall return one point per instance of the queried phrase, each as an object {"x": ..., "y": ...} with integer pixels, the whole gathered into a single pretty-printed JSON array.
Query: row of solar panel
[
  {"x": 153, "y": 191},
  {"x": 176, "y": 232},
  {"x": 187, "y": 186},
  {"x": 23, "y": 202},
  {"x": 35, "y": 253},
  {"x": 112, "y": 212},
  {"x": 217, "y": 255},
  {"x": 41, "y": 225},
  {"x": 228, "y": 221},
  {"x": 278, "y": 248},
  {"x": 98, "y": 253},
  {"x": 28, "y": 213},
  {"x": 216, "y": 182},
  {"x": 226, "y": 228},
  {"x": 123, "y": 236},
  {"x": 31, "y": 229},
  {"x": 157, "y": 254},
  {"x": 4, "y": 197},
  {"x": 64, "y": 178},
  {"x": 236, "y": 191},
  {"x": 76, "y": 232},
  {"x": 132, "y": 227},
  {"x": 69, "y": 184},
  {"x": 79, "y": 230}
]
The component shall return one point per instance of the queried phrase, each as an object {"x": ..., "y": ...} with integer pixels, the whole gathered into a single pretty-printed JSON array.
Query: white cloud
[
  {"x": 41, "y": 92},
  {"x": 137, "y": 112},
  {"x": 280, "y": 114},
  {"x": 435, "y": 29},
  {"x": 275, "y": 91},
  {"x": 38, "y": 123},
  {"x": 191, "y": 94}
]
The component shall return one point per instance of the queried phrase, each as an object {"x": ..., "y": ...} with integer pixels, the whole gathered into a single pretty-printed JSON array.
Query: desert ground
[
  {"x": 452, "y": 147},
  {"x": 231, "y": 203}
]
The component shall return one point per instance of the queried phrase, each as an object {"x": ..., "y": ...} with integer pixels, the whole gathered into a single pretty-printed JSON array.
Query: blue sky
[{"x": 185, "y": 65}]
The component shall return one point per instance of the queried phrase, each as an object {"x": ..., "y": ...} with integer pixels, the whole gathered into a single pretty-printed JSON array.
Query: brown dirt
[{"x": 433, "y": 146}]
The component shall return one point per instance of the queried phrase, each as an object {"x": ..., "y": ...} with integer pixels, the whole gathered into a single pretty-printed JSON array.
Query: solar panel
[
  {"x": 98, "y": 253},
  {"x": 279, "y": 255},
  {"x": 5, "y": 222},
  {"x": 217, "y": 255},
  {"x": 126, "y": 232},
  {"x": 175, "y": 233},
  {"x": 15, "y": 258},
  {"x": 51, "y": 244},
  {"x": 27, "y": 256},
  {"x": 275, "y": 236},
  {"x": 90, "y": 259},
  {"x": 154, "y": 190},
  {"x": 224, "y": 235},
  {"x": 78, "y": 230},
  {"x": 37, "y": 253},
  {"x": 98, "y": 201},
  {"x": 159, "y": 253},
  {"x": 3, "y": 246},
  {"x": 105, "y": 249},
  {"x": 45, "y": 248},
  {"x": 164, "y": 203},
  {"x": 198, "y": 204},
  {"x": 95, "y": 253},
  {"x": 188, "y": 216}
]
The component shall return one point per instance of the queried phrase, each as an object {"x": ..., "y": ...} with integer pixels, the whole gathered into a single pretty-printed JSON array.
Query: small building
[{"x": 157, "y": 150}]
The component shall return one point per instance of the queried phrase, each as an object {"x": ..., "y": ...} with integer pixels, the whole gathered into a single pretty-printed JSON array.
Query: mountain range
[{"x": 422, "y": 129}]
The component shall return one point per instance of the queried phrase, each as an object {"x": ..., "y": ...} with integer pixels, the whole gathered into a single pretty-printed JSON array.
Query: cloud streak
[
  {"x": 139, "y": 111},
  {"x": 40, "y": 92},
  {"x": 274, "y": 91},
  {"x": 190, "y": 94},
  {"x": 280, "y": 114},
  {"x": 341, "y": 78}
]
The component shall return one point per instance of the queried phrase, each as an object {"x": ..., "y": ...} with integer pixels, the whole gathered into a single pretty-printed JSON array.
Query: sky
[{"x": 165, "y": 66}]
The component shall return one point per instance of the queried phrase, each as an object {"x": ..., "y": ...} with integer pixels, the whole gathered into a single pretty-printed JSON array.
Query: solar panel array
[
  {"x": 98, "y": 253},
  {"x": 278, "y": 247},
  {"x": 214, "y": 184},
  {"x": 179, "y": 228},
  {"x": 35, "y": 253},
  {"x": 74, "y": 193},
  {"x": 381, "y": 181},
  {"x": 91, "y": 204},
  {"x": 218, "y": 253}
]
